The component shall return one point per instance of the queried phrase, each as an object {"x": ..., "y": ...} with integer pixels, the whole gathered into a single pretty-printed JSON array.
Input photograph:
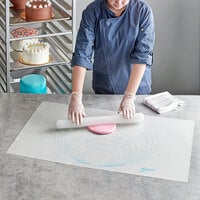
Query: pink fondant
[{"x": 102, "y": 129}]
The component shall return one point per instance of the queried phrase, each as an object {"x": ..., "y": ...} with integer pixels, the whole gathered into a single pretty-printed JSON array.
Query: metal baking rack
[{"x": 58, "y": 32}]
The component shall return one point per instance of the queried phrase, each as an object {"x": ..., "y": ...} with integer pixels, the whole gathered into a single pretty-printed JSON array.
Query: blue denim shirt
[{"x": 110, "y": 45}]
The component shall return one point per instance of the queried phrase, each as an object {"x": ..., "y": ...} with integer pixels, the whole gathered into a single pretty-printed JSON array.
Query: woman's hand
[
  {"x": 127, "y": 105},
  {"x": 76, "y": 110}
]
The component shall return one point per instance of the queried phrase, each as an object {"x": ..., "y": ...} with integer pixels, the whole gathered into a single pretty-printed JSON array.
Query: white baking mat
[{"x": 158, "y": 147}]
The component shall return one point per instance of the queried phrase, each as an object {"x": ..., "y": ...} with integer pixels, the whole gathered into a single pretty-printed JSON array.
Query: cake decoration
[
  {"x": 23, "y": 32},
  {"x": 38, "y": 3}
]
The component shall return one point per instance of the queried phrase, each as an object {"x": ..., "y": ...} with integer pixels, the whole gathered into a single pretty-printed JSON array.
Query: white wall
[
  {"x": 80, "y": 6},
  {"x": 177, "y": 49},
  {"x": 176, "y": 66}
]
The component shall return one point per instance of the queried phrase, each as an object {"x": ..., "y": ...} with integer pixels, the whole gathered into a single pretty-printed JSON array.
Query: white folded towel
[{"x": 163, "y": 102}]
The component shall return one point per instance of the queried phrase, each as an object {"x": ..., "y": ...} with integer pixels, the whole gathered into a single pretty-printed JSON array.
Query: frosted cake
[
  {"x": 23, "y": 32},
  {"x": 38, "y": 10},
  {"x": 35, "y": 53}
]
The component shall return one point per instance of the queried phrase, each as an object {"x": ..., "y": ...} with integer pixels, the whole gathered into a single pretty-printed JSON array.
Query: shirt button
[
  {"x": 142, "y": 29},
  {"x": 108, "y": 24}
]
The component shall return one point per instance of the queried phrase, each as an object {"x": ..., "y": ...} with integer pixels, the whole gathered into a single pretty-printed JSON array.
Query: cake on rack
[
  {"x": 18, "y": 4},
  {"x": 20, "y": 33},
  {"x": 38, "y": 10},
  {"x": 35, "y": 53}
]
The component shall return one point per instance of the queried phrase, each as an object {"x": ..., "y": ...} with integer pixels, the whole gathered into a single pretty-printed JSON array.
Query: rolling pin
[{"x": 100, "y": 120}]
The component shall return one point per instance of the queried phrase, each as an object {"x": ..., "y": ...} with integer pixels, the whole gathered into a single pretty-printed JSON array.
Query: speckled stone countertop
[{"x": 32, "y": 179}]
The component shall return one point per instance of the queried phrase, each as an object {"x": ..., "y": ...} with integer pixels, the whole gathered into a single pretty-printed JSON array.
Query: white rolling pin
[{"x": 100, "y": 120}]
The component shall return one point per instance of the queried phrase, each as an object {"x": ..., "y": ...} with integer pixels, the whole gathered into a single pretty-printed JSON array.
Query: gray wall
[
  {"x": 176, "y": 57},
  {"x": 176, "y": 66}
]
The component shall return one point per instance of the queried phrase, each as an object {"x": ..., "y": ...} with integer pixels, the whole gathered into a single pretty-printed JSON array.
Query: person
[{"x": 115, "y": 40}]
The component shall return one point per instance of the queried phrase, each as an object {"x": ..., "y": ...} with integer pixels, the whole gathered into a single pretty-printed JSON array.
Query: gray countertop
[{"x": 24, "y": 178}]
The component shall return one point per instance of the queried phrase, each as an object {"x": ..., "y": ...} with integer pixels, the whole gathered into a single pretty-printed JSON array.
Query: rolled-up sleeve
[
  {"x": 143, "y": 48},
  {"x": 82, "y": 55}
]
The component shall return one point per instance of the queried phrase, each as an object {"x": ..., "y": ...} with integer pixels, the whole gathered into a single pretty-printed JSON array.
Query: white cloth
[{"x": 163, "y": 102}]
